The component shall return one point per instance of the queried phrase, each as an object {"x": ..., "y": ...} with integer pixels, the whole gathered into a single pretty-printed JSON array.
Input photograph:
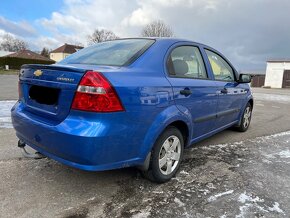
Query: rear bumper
[{"x": 93, "y": 144}]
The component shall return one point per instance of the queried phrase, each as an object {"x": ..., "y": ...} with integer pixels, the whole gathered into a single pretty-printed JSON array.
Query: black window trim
[
  {"x": 181, "y": 77},
  {"x": 233, "y": 70}
]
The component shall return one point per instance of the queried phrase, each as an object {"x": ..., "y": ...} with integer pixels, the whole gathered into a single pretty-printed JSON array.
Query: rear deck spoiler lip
[
  {"x": 72, "y": 67},
  {"x": 54, "y": 67}
]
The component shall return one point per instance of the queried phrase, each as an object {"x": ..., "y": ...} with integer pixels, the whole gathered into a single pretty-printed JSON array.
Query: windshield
[{"x": 112, "y": 53}]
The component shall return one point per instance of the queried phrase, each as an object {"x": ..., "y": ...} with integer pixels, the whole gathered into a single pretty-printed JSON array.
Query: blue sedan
[{"x": 130, "y": 102}]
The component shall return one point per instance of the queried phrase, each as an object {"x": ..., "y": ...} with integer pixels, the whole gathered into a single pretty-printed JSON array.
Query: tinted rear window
[{"x": 112, "y": 53}]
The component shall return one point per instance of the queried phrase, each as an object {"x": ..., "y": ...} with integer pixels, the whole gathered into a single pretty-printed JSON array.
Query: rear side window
[
  {"x": 221, "y": 69},
  {"x": 111, "y": 53},
  {"x": 186, "y": 62}
]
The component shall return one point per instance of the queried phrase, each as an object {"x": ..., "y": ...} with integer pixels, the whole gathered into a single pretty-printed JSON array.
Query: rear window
[{"x": 112, "y": 53}]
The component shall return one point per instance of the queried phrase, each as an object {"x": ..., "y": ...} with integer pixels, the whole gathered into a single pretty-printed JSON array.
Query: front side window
[
  {"x": 186, "y": 62},
  {"x": 220, "y": 68}
]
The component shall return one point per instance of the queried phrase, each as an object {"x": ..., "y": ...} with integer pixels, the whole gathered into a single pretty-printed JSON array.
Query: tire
[
  {"x": 166, "y": 156},
  {"x": 245, "y": 119}
]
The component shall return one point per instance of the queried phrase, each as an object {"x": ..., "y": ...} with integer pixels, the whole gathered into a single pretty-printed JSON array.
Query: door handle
[
  {"x": 224, "y": 91},
  {"x": 186, "y": 92}
]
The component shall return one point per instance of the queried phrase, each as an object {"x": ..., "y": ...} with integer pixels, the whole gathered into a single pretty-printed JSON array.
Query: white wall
[
  {"x": 274, "y": 73},
  {"x": 58, "y": 56}
]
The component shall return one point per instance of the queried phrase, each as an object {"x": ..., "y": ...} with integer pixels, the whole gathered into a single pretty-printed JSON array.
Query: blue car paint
[{"x": 152, "y": 101}]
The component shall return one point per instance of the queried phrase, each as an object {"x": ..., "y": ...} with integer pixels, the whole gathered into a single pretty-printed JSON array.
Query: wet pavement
[{"x": 250, "y": 178}]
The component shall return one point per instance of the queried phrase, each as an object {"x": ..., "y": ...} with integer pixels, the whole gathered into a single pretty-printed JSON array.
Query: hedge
[{"x": 16, "y": 63}]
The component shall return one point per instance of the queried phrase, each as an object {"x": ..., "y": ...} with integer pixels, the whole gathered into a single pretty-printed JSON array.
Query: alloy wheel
[
  {"x": 169, "y": 155},
  {"x": 247, "y": 117}
]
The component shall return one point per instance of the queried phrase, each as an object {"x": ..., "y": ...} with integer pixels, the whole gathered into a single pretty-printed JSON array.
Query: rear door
[
  {"x": 231, "y": 94},
  {"x": 194, "y": 91}
]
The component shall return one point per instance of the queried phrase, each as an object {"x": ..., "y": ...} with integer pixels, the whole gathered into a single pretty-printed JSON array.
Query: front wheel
[
  {"x": 246, "y": 119},
  {"x": 166, "y": 156}
]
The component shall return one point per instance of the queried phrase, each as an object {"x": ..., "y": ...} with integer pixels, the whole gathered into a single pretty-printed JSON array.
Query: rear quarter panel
[{"x": 147, "y": 97}]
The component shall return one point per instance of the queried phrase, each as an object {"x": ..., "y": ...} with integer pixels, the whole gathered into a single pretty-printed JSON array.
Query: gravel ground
[{"x": 228, "y": 175}]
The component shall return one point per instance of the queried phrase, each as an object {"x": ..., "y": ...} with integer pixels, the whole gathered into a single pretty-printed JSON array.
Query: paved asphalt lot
[{"x": 229, "y": 175}]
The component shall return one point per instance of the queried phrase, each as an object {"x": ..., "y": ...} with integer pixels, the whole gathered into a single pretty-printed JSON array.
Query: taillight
[{"x": 95, "y": 93}]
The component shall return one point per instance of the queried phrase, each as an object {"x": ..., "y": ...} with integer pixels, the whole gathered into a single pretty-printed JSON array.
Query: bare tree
[
  {"x": 157, "y": 29},
  {"x": 10, "y": 43},
  {"x": 101, "y": 35},
  {"x": 77, "y": 43},
  {"x": 45, "y": 52}
]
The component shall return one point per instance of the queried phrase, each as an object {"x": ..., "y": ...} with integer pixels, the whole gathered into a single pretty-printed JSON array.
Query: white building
[
  {"x": 278, "y": 74},
  {"x": 64, "y": 51}
]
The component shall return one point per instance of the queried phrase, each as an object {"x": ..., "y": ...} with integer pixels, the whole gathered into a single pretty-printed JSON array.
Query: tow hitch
[{"x": 25, "y": 153}]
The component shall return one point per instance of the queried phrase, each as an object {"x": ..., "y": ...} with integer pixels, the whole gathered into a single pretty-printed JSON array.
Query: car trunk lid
[{"x": 47, "y": 91}]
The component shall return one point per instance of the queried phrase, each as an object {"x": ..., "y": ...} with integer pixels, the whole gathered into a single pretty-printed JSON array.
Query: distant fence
[
  {"x": 286, "y": 79},
  {"x": 258, "y": 81},
  {"x": 16, "y": 63}
]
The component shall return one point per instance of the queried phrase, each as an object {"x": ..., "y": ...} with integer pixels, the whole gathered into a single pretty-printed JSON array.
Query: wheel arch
[
  {"x": 184, "y": 130},
  {"x": 171, "y": 116},
  {"x": 251, "y": 101}
]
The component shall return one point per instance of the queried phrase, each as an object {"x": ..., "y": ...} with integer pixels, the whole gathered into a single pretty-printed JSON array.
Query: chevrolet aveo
[{"x": 130, "y": 102}]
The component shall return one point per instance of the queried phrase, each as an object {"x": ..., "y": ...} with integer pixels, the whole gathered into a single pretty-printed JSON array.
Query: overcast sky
[{"x": 248, "y": 32}]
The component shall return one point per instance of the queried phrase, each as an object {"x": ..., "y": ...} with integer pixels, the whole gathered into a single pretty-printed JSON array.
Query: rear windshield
[{"x": 112, "y": 53}]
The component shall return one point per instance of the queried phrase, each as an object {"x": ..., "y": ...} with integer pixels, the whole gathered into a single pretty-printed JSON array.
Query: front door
[
  {"x": 230, "y": 93},
  {"x": 194, "y": 92}
]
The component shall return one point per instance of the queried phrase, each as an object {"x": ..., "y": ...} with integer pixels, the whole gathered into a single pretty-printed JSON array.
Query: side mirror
[{"x": 245, "y": 78}]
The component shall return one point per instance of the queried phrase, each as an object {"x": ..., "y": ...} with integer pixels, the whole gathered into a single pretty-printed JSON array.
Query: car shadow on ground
[{"x": 132, "y": 189}]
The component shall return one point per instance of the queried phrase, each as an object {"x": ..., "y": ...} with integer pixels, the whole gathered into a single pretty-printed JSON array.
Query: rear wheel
[
  {"x": 166, "y": 156},
  {"x": 246, "y": 119}
]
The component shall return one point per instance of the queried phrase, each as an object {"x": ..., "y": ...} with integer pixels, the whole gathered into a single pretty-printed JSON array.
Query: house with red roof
[
  {"x": 27, "y": 54},
  {"x": 64, "y": 51},
  {"x": 17, "y": 59}
]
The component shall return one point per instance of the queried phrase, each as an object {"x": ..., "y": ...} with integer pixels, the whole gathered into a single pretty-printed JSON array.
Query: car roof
[{"x": 170, "y": 40}]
